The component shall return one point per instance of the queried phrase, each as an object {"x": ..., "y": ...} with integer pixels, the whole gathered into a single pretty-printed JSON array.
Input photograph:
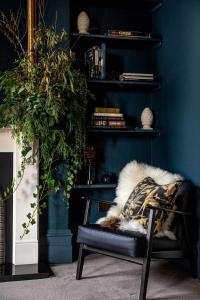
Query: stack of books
[
  {"x": 108, "y": 117},
  {"x": 131, "y": 34},
  {"x": 95, "y": 62},
  {"x": 136, "y": 76}
]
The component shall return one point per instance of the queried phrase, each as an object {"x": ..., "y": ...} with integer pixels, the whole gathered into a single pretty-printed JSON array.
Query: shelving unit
[
  {"x": 120, "y": 83},
  {"x": 133, "y": 132},
  {"x": 96, "y": 186},
  {"x": 117, "y": 146},
  {"x": 141, "y": 41}
]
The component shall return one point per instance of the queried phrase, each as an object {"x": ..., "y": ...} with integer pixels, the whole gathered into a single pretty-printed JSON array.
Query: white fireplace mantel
[{"x": 25, "y": 251}]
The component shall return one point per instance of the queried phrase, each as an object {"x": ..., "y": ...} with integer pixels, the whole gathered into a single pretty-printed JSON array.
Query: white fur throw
[{"x": 129, "y": 177}]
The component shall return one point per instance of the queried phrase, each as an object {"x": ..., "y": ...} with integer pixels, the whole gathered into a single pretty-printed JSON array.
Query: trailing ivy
[{"x": 46, "y": 102}]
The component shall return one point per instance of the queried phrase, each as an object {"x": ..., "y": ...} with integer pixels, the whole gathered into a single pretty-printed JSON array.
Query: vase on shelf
[
  {"x": 89, "y": 160},
  {"x": 83, "y": 22},
  {"x": 147, "y": 118}
]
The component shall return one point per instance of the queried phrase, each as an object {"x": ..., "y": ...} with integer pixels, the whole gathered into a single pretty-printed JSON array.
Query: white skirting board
[{"x": 25, "y": 252}]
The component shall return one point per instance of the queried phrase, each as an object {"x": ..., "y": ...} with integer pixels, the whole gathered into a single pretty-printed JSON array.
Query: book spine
[
  {"x": 99, "y": 123},
  {"x": 138, "y": 74},
  {"x": 129, "y": 33},
  {"x": 107, "y": 110},
  {"x": 108, "y": 115},
  {"x": 91, "y": 63},
  {"x": 103, "y": 61},
  {"x": 135, "y": 78},
  {"x": 96, "y": 62},
  {"x": 116, "y": 123},
  {"x": 108, "y": 118},
  {"x": 106, "y": 125}
]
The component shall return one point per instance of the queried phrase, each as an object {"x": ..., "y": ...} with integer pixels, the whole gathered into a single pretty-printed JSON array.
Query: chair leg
[
  {"x": 145, "y": 277},
  {"x": 147, "y": 258},
  {"x": 190, "y": 249},
  {"x": 80, "y": 263}
]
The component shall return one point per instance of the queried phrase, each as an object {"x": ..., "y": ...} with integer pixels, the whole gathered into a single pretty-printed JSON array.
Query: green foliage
[{"x": 46, "y": 101}]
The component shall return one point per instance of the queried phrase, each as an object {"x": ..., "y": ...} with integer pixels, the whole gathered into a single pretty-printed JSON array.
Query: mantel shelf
[
  {"x": 150, "y": 132},
  {"x": 107, "y": 38},
  {"x": 96, "y": 186}
]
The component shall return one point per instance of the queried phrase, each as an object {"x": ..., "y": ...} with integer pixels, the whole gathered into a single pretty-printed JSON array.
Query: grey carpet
[{"x": 106, "y": 279}]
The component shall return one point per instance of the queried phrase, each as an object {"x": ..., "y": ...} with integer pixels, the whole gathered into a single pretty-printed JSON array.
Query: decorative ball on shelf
[
  {"x": 147, "y": 118},
  {"x": 83, "y": 22}
]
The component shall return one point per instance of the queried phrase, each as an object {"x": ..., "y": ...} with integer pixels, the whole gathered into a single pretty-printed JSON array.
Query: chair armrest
[
  {"x": 179, "y": 212},
  {"x": 87, "y": 208},
  {"x": 99, "y": 201}
]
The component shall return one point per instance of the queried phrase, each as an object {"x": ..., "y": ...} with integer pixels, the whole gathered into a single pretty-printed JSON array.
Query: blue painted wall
[
  {"x": 55, "y": 235},
  {"x": 57, "y": 14},
  {"x": 177, "y": 105},
  {"x": 7, "y": 55}
]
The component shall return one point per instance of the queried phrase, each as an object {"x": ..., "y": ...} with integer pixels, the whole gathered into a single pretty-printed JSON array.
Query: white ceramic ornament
[
  {"x": 83, "y": 22},
  {"x": 147, "y": 118}
]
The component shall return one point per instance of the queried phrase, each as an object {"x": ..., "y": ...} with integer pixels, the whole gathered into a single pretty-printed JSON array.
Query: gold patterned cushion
[{"x": 149, "y": 192}]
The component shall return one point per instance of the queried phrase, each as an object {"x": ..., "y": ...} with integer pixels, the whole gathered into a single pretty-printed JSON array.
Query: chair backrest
[
  {"x": 183, "y": 196},
  {"x": 133, "y": 173},
  {"x": 184, "y": 200}
]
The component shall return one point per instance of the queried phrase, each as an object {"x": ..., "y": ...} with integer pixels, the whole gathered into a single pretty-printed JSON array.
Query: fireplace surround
[{"x": 21, "y": 255}]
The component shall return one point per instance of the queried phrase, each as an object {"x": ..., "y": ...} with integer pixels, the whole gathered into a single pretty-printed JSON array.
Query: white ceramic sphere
[
  {"x": 147, "y": 118},
  {"x": 83, "y": 22}
]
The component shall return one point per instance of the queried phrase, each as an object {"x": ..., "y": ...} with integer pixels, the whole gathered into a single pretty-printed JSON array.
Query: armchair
[{"x": 128, "y": 245}]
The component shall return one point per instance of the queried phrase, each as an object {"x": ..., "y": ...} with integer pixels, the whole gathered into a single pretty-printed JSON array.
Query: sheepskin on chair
[{"x": 129, "y": 177}]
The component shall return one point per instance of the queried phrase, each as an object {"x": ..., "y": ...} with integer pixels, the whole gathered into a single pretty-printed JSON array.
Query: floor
[{"x": 106, "y": 279}]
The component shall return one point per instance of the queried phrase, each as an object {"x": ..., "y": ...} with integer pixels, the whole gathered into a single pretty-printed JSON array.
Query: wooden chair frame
[{"x": 149, "y": 254}]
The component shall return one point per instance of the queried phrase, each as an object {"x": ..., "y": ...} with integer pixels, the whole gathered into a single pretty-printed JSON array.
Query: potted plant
[{"x": 45, "y": 101}]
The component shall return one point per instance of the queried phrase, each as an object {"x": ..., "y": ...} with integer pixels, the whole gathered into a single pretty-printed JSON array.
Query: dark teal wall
[
  {"x": 55, "y": 235},
  {"x": 7, "y": 55},
  {"x": 57, "y": 13},
  {"x": 177, "y": 105}
]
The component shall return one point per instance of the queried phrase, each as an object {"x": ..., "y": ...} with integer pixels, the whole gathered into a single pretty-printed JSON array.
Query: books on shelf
[
  {"x": 136, "y": 76},
  {"x": 130, "y": 34},
  {"x": 107, "y": 110},
  {"x": 95, "y": 62},
  {"x": 107, "y": 117}
]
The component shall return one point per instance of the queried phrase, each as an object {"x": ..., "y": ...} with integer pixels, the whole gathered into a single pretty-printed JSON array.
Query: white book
[
  {"x": 136, "y": 78},
  {"x": 138, "y": 74},
  {"x": 107, "y": 115}
]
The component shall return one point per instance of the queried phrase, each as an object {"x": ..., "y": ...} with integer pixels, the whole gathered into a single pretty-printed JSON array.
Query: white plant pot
[
  {"x": 83, "y": 22},
  {"x": 147, "y": 118}
]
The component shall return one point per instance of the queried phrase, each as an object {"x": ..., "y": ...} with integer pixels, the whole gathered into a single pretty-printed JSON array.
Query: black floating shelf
[
  {"x": 108, "y": 38},
  {"x": 149, "y": 5},
  {"x": 95, "y": 186},
  {"x": 150, "y": 132},
  {"x": 128, "y": 83}
]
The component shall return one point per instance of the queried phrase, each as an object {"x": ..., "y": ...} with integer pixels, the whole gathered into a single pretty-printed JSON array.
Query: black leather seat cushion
[{"x": 122, "y": 242}]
